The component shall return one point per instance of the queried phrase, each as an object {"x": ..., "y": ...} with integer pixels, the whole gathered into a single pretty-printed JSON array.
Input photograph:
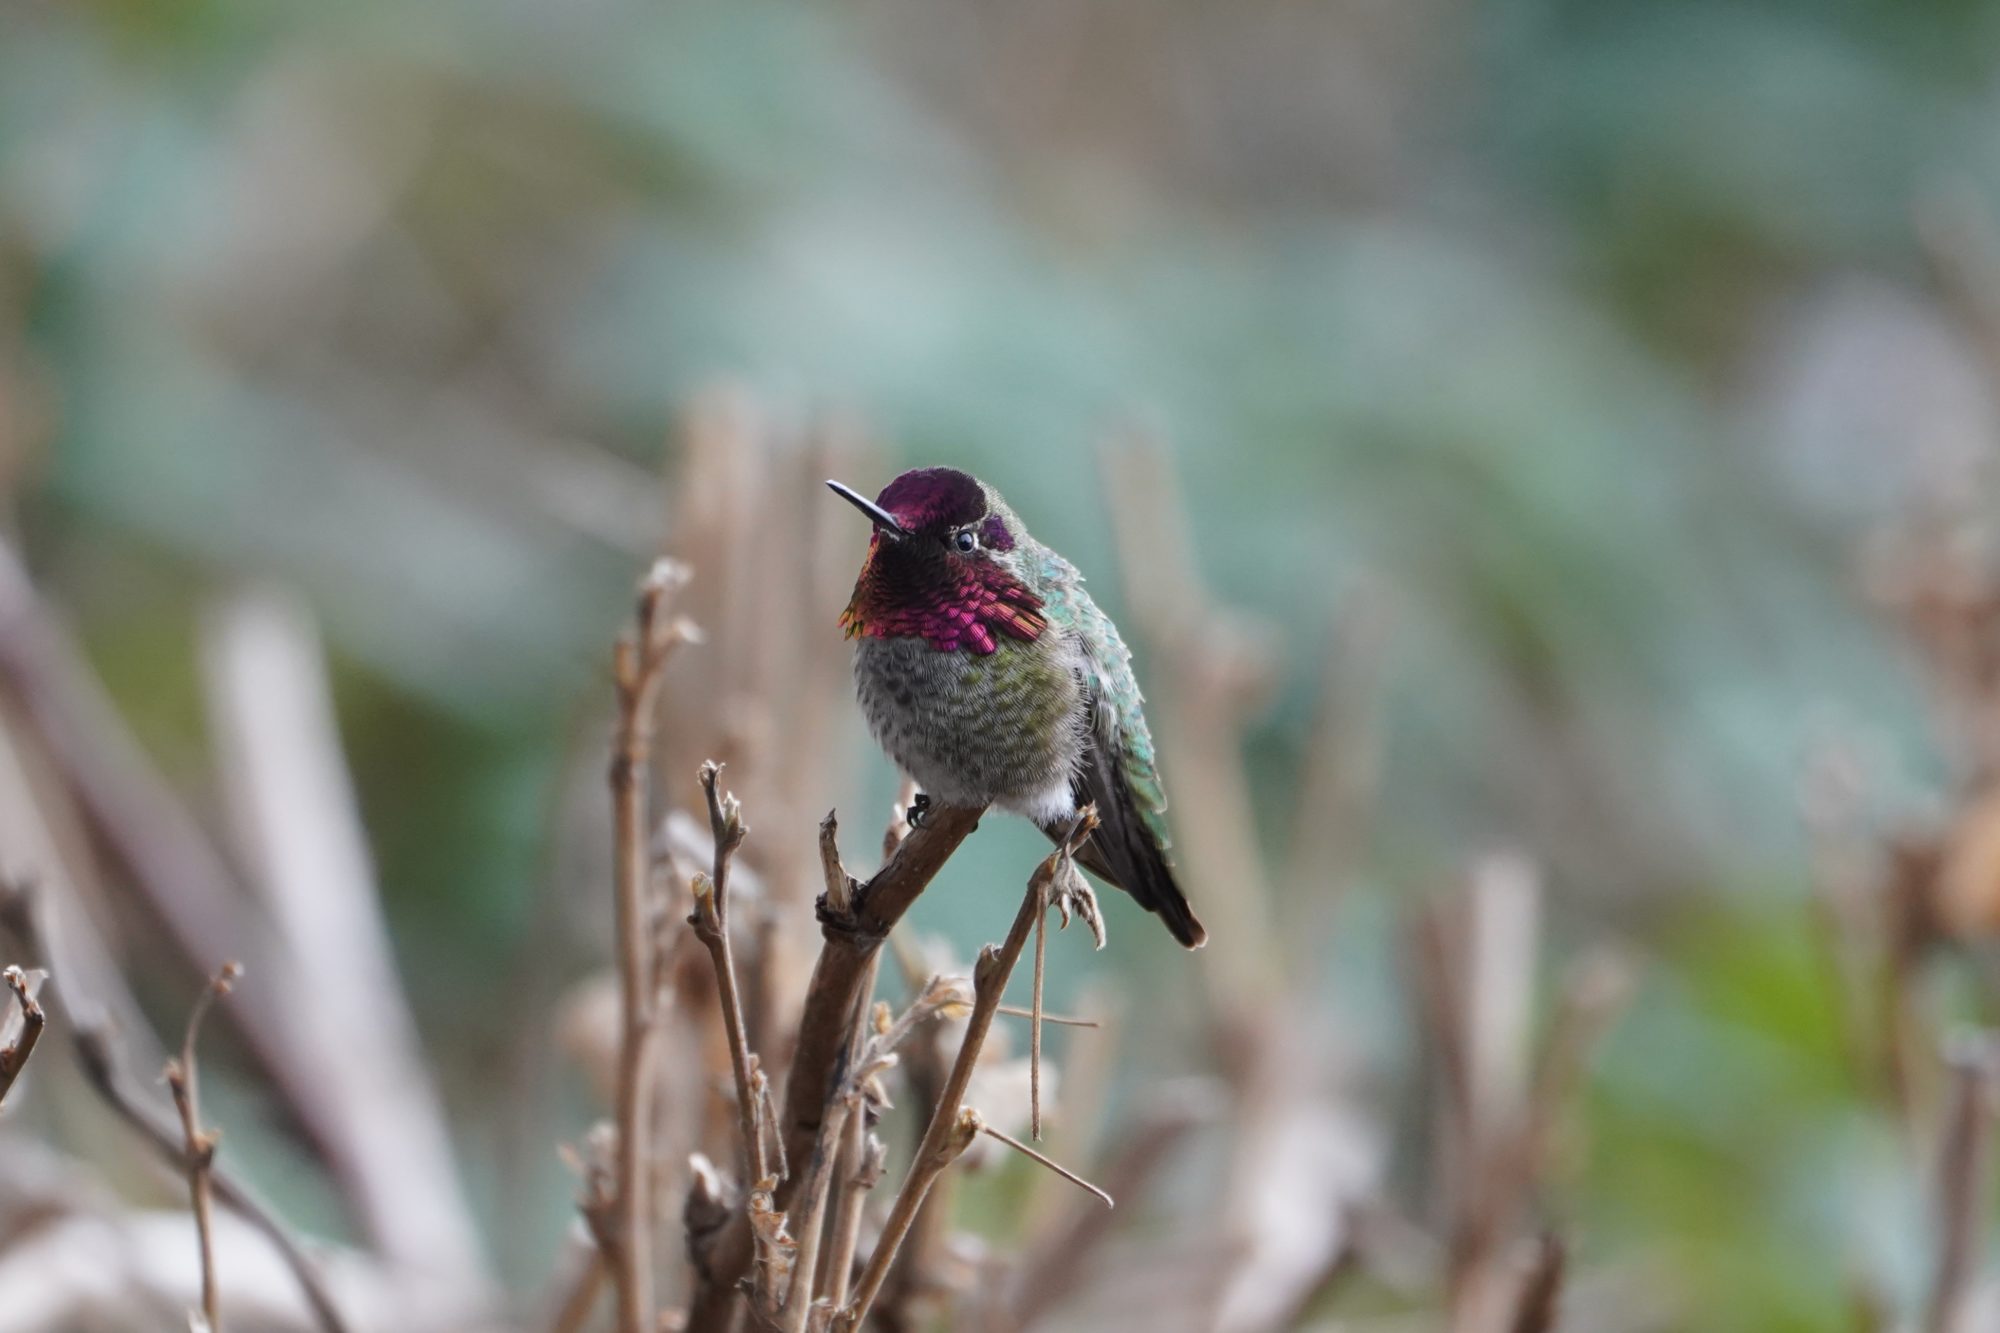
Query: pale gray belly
[{"x": 1005, "y": 728}]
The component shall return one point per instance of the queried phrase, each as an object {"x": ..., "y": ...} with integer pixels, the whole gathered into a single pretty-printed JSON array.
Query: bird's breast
[{"x": 974, "y": 728}]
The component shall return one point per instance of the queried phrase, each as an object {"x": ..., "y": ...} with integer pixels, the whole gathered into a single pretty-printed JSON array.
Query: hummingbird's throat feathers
[{"x": 912, "y": 589}]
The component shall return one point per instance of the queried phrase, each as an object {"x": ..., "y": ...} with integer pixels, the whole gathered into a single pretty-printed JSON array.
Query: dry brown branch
[
  {"x": 1035, "y": 1028},
  {"x": 952, "y": 1127},
  {"x": 862, "y": 1163},
  {"x": 93, "y": 1051},
  {"x": 198, "y": 1144},
  {"x": 14, "y": 1056},
  {"x": 1964, "y": 1150},
  {"x": 837, "y": 992},
  {"x": 710, "y": 920},
  {"x": 835, "y": 998},
  {"x": 623, "y": 1221},
  {"x": 808, "y": 1215}
]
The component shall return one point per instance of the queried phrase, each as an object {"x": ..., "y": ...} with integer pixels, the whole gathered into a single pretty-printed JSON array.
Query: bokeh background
[{"x": 1585, "y": 351}]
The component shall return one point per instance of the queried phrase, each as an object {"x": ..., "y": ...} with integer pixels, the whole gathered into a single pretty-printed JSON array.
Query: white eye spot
[{"x": 967, "y": 540}]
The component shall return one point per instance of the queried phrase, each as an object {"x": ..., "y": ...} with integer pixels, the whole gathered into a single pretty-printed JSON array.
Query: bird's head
[{"x": 946, "y": 563}]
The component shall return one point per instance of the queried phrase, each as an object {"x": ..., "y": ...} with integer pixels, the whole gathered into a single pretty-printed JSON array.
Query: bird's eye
[{"x": 966, "y": 540}]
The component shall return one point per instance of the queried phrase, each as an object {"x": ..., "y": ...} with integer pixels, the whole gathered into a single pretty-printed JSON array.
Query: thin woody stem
[
  {"x": 1049, "y": 1162},
  {"x": 638, "y": 663},
  {"x": 710, "y": 920},
  {"x": 1035, "y": 1027},
  {"x": 184, "y": 1083},
  {"x": 1057, "y": 1020},
  {"x": 810, "y": 1210},
  {"x": 861, "y": 1165}
]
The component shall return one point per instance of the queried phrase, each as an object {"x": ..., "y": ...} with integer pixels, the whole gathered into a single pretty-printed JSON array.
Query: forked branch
[{"x": 953, "y": 1126}]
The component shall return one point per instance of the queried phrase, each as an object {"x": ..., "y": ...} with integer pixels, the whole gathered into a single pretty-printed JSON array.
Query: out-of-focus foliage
[{"x": 1594, "y": 334}]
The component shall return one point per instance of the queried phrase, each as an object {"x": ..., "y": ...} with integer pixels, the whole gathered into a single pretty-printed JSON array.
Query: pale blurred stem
[
  {"x": 636, "y": 667},
  {"x": 199, "y": 1144},
  {"x": 952, "y": 1129},
  {"x": 710, "y": 920},
  {"x": 1963, "y": 1153},
  {"x": 579, "y": 1300},
  {"x": 1535, "y": 1310},
  {"x": 14, "y": 1057}
]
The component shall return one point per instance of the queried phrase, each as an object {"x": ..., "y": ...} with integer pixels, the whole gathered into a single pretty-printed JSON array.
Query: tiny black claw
[{"x": 919, "y": 812}]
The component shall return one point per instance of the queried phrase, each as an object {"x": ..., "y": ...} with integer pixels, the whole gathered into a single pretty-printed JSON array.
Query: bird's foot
[
  {"x": 1071, "y": 893},
  {"x": 919, "y": 812}
]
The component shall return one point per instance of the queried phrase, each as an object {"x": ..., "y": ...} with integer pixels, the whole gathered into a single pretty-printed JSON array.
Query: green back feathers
[{"x": 1120, "y": 721}]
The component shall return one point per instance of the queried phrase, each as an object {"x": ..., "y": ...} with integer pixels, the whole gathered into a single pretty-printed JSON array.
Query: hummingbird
[{"x": 990, "y": 677}]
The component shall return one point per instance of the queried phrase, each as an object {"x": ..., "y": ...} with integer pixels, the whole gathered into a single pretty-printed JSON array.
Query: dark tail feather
[
  {"x": 1124, "y": 851},
  {"x": 1136, "y": 865}
]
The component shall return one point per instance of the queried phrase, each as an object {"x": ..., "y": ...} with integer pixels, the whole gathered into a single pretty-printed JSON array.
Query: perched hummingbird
[{"x": 991, "y": 678}]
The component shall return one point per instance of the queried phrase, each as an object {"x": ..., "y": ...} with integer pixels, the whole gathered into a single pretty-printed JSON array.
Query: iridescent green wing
[{"x": 1117, "y": 714}]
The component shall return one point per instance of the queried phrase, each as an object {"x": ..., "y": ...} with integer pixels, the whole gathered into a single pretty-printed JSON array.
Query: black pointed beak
[{"x": 883, "y": 519}]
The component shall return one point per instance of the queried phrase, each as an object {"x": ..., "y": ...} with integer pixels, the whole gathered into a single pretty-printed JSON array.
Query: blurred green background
[{"x": 1596, "y": 336}]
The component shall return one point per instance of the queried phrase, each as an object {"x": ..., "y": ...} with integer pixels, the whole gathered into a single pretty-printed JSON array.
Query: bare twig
[
  {"x": 710, "y": 920},
  {"x": 840, "y": 886},
  {"x": 843, "y": 1139},
  {"x": 14, "y": 1056},
  {"x": 1035, "y": 1028},
  {"x": 625, "y": 1219},
  {"x": 952, "y": 1126},
  {"x": 198, "y": 1143},
  {"x": 952, "y": 1136},
  {"x": 1049, "y": 1162},
  {"x": 93, "y": 1051},
  {"x": 862, "y": 1161},
  {"x": 1058, "y": 1020},
  {"x": 835, "y": 998},
  {"x": 809, "y": 1210}
]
